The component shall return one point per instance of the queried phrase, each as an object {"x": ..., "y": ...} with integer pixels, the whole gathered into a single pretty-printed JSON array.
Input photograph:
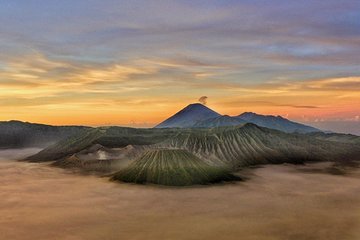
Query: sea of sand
[{"x": 308, "y": 202}]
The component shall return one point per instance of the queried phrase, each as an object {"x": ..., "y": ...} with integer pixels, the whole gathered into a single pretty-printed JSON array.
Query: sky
[{"x": 135, "y": 63}]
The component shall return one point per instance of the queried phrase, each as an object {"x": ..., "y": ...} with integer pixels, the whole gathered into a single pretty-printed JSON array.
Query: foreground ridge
[{"x": 174, "y": 167}]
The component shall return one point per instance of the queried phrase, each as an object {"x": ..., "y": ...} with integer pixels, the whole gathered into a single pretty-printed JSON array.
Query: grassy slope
[
  {"x": 173, "y": 167},
  {"x": 249, "y": 144}
]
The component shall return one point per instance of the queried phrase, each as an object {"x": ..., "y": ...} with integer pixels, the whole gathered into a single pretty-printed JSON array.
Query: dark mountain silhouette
[
  {"x": 199, "y": 116},
  {"x": 17, "y": 134},
  {"x": 189, "y": 116},
  {"x": 276, "y": 122}
]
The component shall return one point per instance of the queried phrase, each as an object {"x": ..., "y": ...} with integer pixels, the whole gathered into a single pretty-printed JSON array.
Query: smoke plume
[{"x": 203, "y": 100}]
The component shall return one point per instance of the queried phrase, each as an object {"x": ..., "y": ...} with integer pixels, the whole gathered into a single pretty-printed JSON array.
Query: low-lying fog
[{"x": 277, "y": 202}]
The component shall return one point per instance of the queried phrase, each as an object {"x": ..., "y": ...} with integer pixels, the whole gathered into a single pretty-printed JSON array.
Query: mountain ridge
[
  {"x": 188, "y": 116},
  {"x": 18, "y": 134},
  {"x": 276, "y": 122},
  {"x": 107, "y": 150},
  {"x": 233, "y": 145},
  {"x": 197, "y": 115}
]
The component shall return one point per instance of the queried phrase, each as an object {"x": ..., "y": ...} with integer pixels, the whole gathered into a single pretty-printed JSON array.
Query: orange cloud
[{"x": 40, "y": 89}]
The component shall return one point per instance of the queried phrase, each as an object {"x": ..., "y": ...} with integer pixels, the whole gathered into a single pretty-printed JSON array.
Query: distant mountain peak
[
  {"x": 188, "y": 116},
  {"x": 276, "y": 122},
  {"x": 195, "y": 106},
  {"x": 252, "y": 114},
  {"x": 197, "y": 115},
  {"x": 256, "y": 114}
]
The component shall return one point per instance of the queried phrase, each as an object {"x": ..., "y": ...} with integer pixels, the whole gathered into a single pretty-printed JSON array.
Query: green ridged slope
[{"x": 173, "y": 167}]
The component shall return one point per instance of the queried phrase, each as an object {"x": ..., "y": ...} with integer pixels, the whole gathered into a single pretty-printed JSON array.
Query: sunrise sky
[{"x": 135, "y": 63}]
